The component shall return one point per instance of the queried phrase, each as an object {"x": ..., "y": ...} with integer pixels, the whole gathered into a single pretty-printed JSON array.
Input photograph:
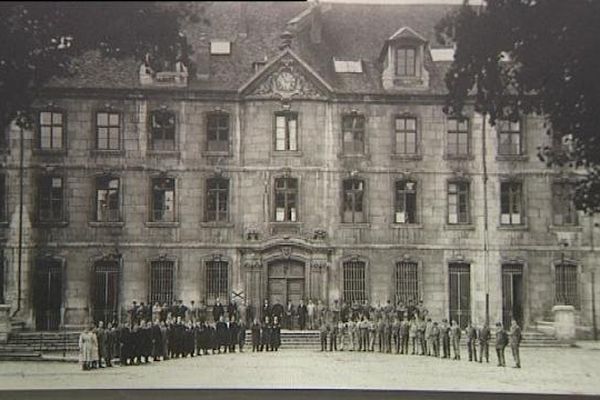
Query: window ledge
[
  {"x": 212, "y": 153},
  {"x": 466, "y": 157},
  {"x": 286, "y": 153},
  {"x": 106, "y": 224},
  {"x": 407, "y": 157},
  {"x": 162, "y": 224},
  {"x": 355, "y": 225},
  {"x": 522, "y": 227},
  {"x": 512, "y": 157},
  {"x": 107, "y": 153},
  {"x": 565, "y": 228},
  {"x": 364, "y": 156},
  {"x": 396, "y": 225},
  {"x": 217, "y": 224},
  {"x": 164, "y": 153},
  {"x": 51, "y": 224},
  {"x": 47, "y": 152},
  {"x": 459, "y": 227}
]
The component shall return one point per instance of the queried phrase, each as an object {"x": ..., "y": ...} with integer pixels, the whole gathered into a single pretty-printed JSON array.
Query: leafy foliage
[
  {"x": 515, "y": 57},
  {"x": 40, "y": 40}
]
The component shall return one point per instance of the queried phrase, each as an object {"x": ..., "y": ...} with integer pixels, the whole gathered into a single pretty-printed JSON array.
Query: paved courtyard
[{"x": 565, "y": 370}]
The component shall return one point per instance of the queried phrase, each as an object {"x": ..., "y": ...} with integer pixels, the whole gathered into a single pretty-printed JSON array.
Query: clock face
[{"x": 285, "y": 81}]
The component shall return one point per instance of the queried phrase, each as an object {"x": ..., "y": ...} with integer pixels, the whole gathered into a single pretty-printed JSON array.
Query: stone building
[{"x": 306, "y": 156}]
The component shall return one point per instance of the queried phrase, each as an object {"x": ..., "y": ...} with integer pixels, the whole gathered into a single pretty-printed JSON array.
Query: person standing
[
  {"x": 218, "y": 310},
  {"x": 404, "y": 333},
  {"x": 455, "y": 338},
  {"x": 275, "y": 334},
  {"x": 102, "y": 344},
  {"x": 471, "y": 342},
  {"x": 202, "y": 311},
  {"x": 241, "y": 337},
  {"x": 445, "y": 338},
  {"x": 429, "y": 336},
  {"x": 310, "y": 312},
  {"x": 333, "y": 333},
  {"x": 501, "y": 342},
  {"x": 302, "y": 315},
  {"x": 435, "y": 332},
  {"x": 255, "y": 336},
  {"x": 86, "y": 349},
  {"x": 232, "y": 310},
  {"x": 221, "y": 334},
  {"x": 266, "y": 310},
  {"x": 397, "y": 342},
  {"x": 234, "y": 331},
  {"x": 265, "y": 336},
  {"x": 421, "y": 335},
  {"x": 515, "y": 341},
  {"x": 323, "y": 333},
  {"x": 413, "y": 335},
  {"x": 243, "y": 314},
  {"x": 484, "y": 337}
]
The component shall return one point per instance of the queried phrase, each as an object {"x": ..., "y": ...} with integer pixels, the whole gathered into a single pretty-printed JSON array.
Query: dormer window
[{"x": 406, "y": 64}]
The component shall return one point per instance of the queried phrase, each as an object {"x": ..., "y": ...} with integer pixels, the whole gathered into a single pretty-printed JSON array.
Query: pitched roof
[{"x": 349, "y": 31}]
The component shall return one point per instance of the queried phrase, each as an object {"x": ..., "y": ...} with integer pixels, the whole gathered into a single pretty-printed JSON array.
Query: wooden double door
[
  {"x": 48, "y": 295},
  {"x": 286, "y": 282}
]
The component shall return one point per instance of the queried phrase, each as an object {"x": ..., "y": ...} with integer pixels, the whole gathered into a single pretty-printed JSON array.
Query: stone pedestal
[
  {"x": 564, "y": 323},
  {"x": 4, "y": 322}
]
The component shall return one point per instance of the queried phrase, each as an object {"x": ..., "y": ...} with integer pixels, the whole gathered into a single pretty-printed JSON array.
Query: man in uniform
[
  {"x": 421, "y": 335},
  {"x": 310, "y": 312},
  {"x": 323, "y": 333},
  {"x": 255, "y": 336},
  {"x": 221, "y": 334},
  {"x": 336, "y": 310},
  {"x": 484, "y": 338},
  {"x": 397, "y": 342},
  {"x": 319, "y": 313},
  {"x": 202, "y": 311},
  {"x": 232, "y": 310},
  {"x": 413, "y": 334},
  {"x": 302, "y": 315},
  {"x": 234, "y": 331},
  {"x": 515, "y": 342},
  {"x": 455, "y": 337},
  {"x": 471, "y": 342},
  {"x": 445, "y": 338},
  {"x": 243, "y": 314},
  {"x": 435, "y": 332},
  {"x": 404, "y": 334},
  {"x": 429, "y": 337},
  {"x": 333, "y": 333},
  {"x": 501, "y": 342},
  {"x": 102, "y": 343}
]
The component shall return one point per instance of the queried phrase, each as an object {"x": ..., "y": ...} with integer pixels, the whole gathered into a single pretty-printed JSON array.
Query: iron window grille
[
  {"x": 107, "y": 199},
  {"x": 162, "y": 279},
  {"x": 353, "y": 132},
  {"x": 50, "y": 197},
  {"x": 217, "y": 127},
  {"x": 106, "y": 291},
  {"x": 286, "y": 199},
  {"x": 458, "y": 137},
  {"x": 162, "y": 130},
  {"x": 217, "y": 281},
  {"x": 51, "y": 130},
  {"x": 406, "y": 135},
  {"x": 511, "y": 207},
  {"x": 354, "y": 284},
  {"x": 163, "y": 200},
  {"x": 108, "y": 131},
  {"x": 217, "y": 194},
  {"x": 407, "y": 282},
  {"x": 458, "y": 203},
  {"x": 353, "y": 201},
  {"x": 566, "y": 291},
  {"x": 406, "y": 202}
]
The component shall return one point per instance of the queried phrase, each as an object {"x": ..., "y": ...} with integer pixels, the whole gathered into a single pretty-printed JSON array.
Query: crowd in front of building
[{"x": 163, "y": 332}]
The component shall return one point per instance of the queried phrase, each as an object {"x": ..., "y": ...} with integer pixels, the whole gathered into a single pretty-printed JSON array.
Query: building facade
[{"x": 308, "y": 157}]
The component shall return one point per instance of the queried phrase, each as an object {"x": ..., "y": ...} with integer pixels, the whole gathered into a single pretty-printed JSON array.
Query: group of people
[{"x": 424, "y": 337}]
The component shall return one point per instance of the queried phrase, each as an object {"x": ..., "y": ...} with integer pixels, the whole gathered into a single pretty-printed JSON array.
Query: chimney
[
  {"x": 243, "y": 19},
  {"x": 315, "y": 23},
  {"x": 286, "y": 40}
]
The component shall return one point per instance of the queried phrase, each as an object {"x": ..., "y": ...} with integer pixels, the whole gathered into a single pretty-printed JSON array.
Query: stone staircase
[
  {"x": 532, "y": 338},
  {"x": 308, "y": 340}
]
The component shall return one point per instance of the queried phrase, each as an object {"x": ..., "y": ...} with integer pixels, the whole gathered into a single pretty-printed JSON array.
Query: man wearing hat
[
  {"x": 501, "y": 342},
  {"x": 515, "y": 342}
]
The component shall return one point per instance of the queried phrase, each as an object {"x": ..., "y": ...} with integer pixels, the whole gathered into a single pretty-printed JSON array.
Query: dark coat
[
  {"x": 255, "y": 334},
  {"x": 218, "y": 311},
  {"x": 302, "y": 314},
  {"x": 276, "y": 335},
  {"x": 222, "y": 334}
]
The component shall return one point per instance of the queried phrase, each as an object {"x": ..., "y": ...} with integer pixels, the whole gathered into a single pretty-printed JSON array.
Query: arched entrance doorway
[{"x": 286, "y": 281}]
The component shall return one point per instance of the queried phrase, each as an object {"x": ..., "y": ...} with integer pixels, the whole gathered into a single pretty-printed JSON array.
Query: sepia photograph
[{"x": 331, "y": 195}]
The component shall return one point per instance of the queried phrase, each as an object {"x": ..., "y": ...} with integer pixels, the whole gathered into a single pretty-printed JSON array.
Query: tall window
[
  {"x": 459, "y": 275},
  {"x": 353, "y": 201},
  {"x": 286, "y": 131},
  {"x": 217, "y": 194},
  {"x": 51, "y": 130},
  {"x": 511, "y": 206},
  {"x": 286, "y": 199},
  {"x": 406, "y": 61},
  {"x": 353, "y": 131},
  {"x": 163, "y": 199},
  {"x": 566, "y": 284},
  {"x": 406, "y": 135},
  {"x": 354, "y": 284},
  {"x": 217, "y": 281},
  {"x": 3, "y": 199},
  {"x": 458, "y": 203},
  {"x": 458, "y": 137},
  {"x": 509, "y": 138},
  {"x": 162, "y": 279},
  {"x": 108, "y": 128},
  {"x": 407, "y": 282},
  {"x": 107, "y": 199},
  {"x": 162, "y": 130},
  {"x": 50, "y": 199},
  {"x": 406, "y": 202},
  {"x": 217, "y": 129},
  {"x": 563, "y": 207}
]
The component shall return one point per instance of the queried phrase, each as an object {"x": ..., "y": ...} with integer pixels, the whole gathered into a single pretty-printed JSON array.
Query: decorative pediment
[{"x": 287, "y": 77}]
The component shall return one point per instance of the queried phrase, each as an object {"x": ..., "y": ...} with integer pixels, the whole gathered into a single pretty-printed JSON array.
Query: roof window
[{"x": 348, "y": 66}]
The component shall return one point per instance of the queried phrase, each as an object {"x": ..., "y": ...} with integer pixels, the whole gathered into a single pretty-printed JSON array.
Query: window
[
  {"x": 220, "y": 47},
  {"x": 511, "y": 207},
  {"x": 218, "y": 131},
  {"x": 108, "y": 129},
  {"x": 3, "y": 199},
  {"x": 458, "y": 137},
  {"x": 349, "y": 66},
  {"x": 353, "y": 201},
  {"x": 217, "y": 194},
  {"x": 50, "y": 198},
  {"x": 162, "y": 130},
  {"x": 458, "y": 203},
  {"x": 406, "y": 135},
  {"x": 354, "y": 281},
  {"x": 286, "y": 199},
  {"x": 162, "y": 278},
  {"x": 406, "y": 202},
  {"x": 406, "y": 64},
  {"x": 566, "y": 284},
  {"x": 459, "y": 286},
  {"x": 217, "y": 281},
  {"x": 509, "y": 138},
  {"x": 51, "y": 130},
  {"x": 163, "y": 199},
  {"x": 353, "y": 131},
  {"x": 286, "y": 131},
  {"x": 563, "y": 207},
  {"x": 407, "y": 282},
  {"x": 107, "y": 199}
]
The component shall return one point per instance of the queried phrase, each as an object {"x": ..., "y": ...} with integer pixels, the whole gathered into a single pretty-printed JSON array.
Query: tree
[
  {"x": 40, "y": 41},
  {"x": 516, "y": 57}
]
